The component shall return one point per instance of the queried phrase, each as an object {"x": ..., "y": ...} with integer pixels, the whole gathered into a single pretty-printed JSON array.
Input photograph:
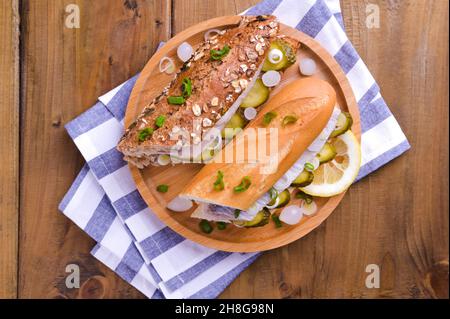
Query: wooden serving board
[{"x": 151, "y": 82}]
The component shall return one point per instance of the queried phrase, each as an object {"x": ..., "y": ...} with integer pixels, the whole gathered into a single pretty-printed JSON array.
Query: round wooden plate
[{"x": 151, "y": 82}]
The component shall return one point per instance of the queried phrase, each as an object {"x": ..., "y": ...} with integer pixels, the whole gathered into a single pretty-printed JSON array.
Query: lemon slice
[{"x": 335, "y": 176}]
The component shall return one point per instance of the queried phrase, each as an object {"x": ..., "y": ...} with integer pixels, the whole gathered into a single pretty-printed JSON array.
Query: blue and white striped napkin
[{"x": 104, "y": 202}]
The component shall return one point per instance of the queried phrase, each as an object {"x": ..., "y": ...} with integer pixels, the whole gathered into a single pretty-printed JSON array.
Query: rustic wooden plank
[
  {"x": 398, "y": 217},
  {"x": 64, "y": 71},
  {"x": 190, "y": 12},
  {"x": 408, "y": 55},
  {"x": 9, "y": 146}
]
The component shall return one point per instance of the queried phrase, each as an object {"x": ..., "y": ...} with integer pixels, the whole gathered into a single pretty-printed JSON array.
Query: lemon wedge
[{"x": 335, "y": 176}]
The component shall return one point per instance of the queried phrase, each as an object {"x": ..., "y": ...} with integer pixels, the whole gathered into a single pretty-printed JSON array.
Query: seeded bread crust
[{"x": 216, "y": 85}]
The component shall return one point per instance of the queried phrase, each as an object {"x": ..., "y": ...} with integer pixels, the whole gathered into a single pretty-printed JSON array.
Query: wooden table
[{"x": 397, "y": 218}]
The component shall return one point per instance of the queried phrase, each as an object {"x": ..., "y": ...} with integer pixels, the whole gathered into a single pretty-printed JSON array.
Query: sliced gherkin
[
  {"x": 261, "y": 219},
  {"x": 283, "y": 199},
  {"x": 303, "y": 179},
  {"x": 236, "y": 123},
  {"x": 258, "y": 94},
  {"x": 327, "y": 153},
  {"x": 344, "y": 123},
  {"x": 288, "y": 56}
]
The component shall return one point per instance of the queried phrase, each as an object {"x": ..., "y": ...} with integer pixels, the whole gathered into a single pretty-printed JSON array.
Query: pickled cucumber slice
[
  {"x": 304, "y": 179},
  {"x": 344, "y": 123},
  {"x": 236, "y": 123},
  {"x": 327, "y": 153},
  {"x": 261, "y": 219},
  {"x": 283, "y": 199},
  {"x": 257, "y": 95},
  {"x": 288, "y": 56}
]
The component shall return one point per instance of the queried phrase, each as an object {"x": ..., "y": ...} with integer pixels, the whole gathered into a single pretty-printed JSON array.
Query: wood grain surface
[
  {"x": 63, "y": 72},
  {"x": 396, "y": 218},
  {"x": 9, "y": 146}
]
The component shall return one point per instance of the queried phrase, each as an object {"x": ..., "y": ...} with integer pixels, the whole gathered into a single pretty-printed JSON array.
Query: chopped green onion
[
  {"x": 219, "y": 54},
  {"x": 221, "y": 225},
  {"x": 268, "y": 117},
  {"x": 176, "y": 100},
  {"x": 276, "y": 220},
  {"x": 243, "y": 186},
  {"x": 309, "y": 167},
  {"x": 160, "y": 120},
  {"x": 163, "y": 188},
  {"x": 302, "y": 195},
  {"x": 237, "y": 212},
  {"x": 205, "y": 226},
  {"x": 289, "y": 119},
  {"x": 145, "y": 133},
  {"x": 219, "y": 184},
  {"x": 186, "y": 87}
]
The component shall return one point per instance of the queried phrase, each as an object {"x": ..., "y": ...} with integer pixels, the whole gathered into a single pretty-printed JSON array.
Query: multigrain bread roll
[
  {"x": 299, "y": 113},
  {"x": 217, "y": 85}
]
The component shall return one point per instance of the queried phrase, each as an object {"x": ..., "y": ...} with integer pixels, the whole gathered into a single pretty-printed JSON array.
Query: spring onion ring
[
  {"x": 250, "y": 113},
  {"x": 211, "y": 33},
  {"x": 308, "y": 209},
  {"x": 307, "y": 66},
  {"x": 163, "y": 159},
  {"x": 291, "y": 215},
  {"x": 179, "y": 204},
  {"x": 184, "y": 51},
  {"x": 166, "y": 65},
  {"x": 315, "y": 162},
  {"x": 277, "y": 201},
  {"x": 271, "y": 78},
  {"x": 275, "y": 56}
]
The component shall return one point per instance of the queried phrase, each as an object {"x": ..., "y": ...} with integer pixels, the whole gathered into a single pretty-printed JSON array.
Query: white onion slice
[
  {"x": 315, "y": 162},
  {"x": 291, "y": 215},
  {"x": 166, "y": 65},
  {"x": 179, "y": 204},
  {"x": 210, "y": 33},
  {"x": 307, "y": 66},
  {"x": 271, "y": 78},
  {"x": 163, "y": 159},
  {"x": 277, "y": 201},
  {"x": 250, "y": 113},
  {"x": 185, "y": 51},
  {"x": 275, "y": 56},
  {"x": 308, "y": 209}
]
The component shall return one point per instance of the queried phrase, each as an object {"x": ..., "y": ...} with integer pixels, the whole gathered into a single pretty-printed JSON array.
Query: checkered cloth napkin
[{"x": 104, "y": 202}]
